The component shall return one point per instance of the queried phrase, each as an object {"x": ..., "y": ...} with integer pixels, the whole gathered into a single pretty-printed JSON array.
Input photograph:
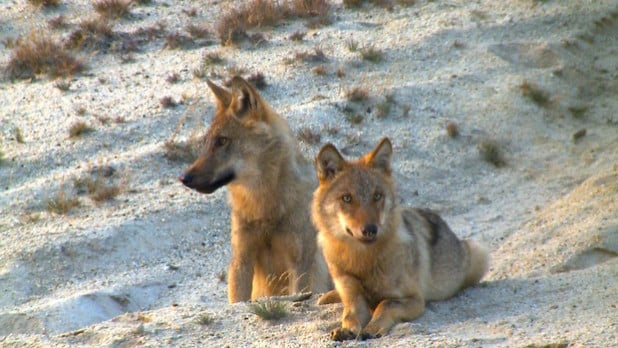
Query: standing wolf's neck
[{"x": 278, "y": 187}]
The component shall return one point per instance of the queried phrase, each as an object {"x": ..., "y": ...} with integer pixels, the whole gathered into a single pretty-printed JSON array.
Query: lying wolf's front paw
[{"x": 341, "y": 334}]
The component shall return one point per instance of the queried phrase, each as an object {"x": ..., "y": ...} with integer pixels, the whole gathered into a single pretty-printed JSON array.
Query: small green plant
[
  {"x": 579, "y": 134},
  {"x": 205, "y": 319},
  {"x": 535, "y": 94},
  {"x": 79, "y": 128},
  {"x": 578, "y": 111},
  {"x": 61, "y": 203},
  {"x": 19, "y": 137},
  {"x": 269, "y": 309},
  {"x": 351, "y": 45},
  {"x": 372, "y": 54},
  {"x": 357, "y": 94},
  {"x": 490, "y": 152}
]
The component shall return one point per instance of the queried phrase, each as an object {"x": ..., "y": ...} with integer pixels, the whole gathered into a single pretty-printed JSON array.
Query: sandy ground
[{"x": 147, "y": 267}]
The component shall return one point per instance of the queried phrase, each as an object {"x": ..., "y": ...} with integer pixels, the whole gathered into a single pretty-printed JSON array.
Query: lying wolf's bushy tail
[{"x": 478, "y": 264}]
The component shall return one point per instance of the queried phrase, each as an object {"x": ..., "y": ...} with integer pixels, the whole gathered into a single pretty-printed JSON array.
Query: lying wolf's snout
[
  {"x": 370, "y": 230},
  {"x": 186, "y": 179}
]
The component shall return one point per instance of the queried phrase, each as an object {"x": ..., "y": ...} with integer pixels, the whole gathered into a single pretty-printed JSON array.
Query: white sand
[{"x": 144, "y": 268}]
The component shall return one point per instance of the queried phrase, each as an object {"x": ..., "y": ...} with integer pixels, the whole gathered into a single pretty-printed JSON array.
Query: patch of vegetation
[
  {"x": 384, "y": 108},
  {"x": 205, "y": 319},
  {"x": 372, "y": 54},
  {"x": 79, "y": 128},
  {"x": 578, "y": 111},
  {"x": 351, "y": 45},
  {"x": 357, "y": 94},
  {"x": 535, "y": 94},
  {"x": 19, "y": 137},
  {"x": 177, "y": 40},
  {"x": 298, "y": 36},
  {"x": 168, "y": 102},
  {"x": 172, "y": 78},
  {"x": 99, "y": 184},
  {"x": 61, "y": 203},
  {"x": 44, "y": 3},
  {"x": 63, "y": 85},
  {"x": 258, "y": 80},
  {"x": 579, "y": 134},
  {"x": 309, "y": 136},
  {"x": 269, "y": 309},
  {"x": 382, "y": 3},
  {"x": 92, "y": 34},
  {"x": 38, "y": 54},
  {"x": 452, "y": 129},
  {"x": 197, "y": 31},
  {"x": 183, "y": 151},
  {"x": 317, "y": 56},
  {"x": 112, "y": 9},
  {"x": 490, "y": 152},
  {"x": 233, "y": 25},
  {"x": 208, "y": 60},
  {"x": 57, "y": 22},
  {"x": 320, "y": 70}
]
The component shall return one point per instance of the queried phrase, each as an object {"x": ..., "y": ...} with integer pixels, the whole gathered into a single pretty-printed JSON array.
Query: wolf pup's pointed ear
[
  {"x": 380, "y": 157},
  {"x": 223, "y": 97},
  {"x": 329, "y": 162},
  {"x": 246, "y": 100}
]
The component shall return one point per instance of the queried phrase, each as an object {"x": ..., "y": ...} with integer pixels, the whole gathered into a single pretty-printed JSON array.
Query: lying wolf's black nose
[
  {"x": 186, "y": 179},
  {"x": 370, "y": 230}
]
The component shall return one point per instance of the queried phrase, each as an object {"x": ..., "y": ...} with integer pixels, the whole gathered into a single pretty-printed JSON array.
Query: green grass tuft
[{"x": 269, "y": 309}]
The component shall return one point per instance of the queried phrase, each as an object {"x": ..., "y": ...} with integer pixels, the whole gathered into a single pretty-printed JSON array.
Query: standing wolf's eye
[
  {"x": 220, "y": 141},
  {"x": 377, "y": 196},
  {"x": 347, "y": 198}
]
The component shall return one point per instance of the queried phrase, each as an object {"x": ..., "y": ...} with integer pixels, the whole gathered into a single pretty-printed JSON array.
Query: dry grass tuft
[
  {"x": 183, "y": 151},
  {"x": 63, "y": 85},
  {"x": 79, "y": 128},
  {"x": 38, "y": 54},
  {"x": 197, "y": 31},
  {"x": 99, "y": 184},
  {"x": 309, "y": 136},
  {"x": 172, "y": 78},
  {"x": 177, "y": 40},
  {"x": 269, "y": 309},
  {"x": 452, "y": 130},
  {"x": 490, "y": 152},
  {"x": 298, "y": 36},
  {"x": 357, "y": 94},
  {"x": 317, "y": 56},
  {"x": 44, "y": 3},
  {"x": 372, "y": 54},
  {"x": 57, "y": 22},
  {"x": 233, "y": 26},
  {"x": 258, "y": 80},
  {"x": 535, "y": 94},
  {"x": 61, "y": 203},
  {"x": 168, "y": 102},
  {"x": 112, "y": 9},
  {"x": 384, "y": 108},
  {"x": 93, "y": 34}
]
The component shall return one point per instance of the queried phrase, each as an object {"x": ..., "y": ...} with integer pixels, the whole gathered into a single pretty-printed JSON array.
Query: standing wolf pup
[
  {"x": 386, "y": 261},
  {"x": 252, "y": 150}
]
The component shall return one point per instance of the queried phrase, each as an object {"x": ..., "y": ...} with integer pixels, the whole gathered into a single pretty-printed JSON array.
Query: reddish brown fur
[
  {"x": 385, "y": 260},
  {"x": 251, "y": 149}
]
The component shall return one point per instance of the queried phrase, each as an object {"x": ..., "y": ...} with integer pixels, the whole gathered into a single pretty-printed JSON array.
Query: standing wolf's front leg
[
  {"x": 356, "y": 312},
  {"x": 240, "y": 271},
  {"x": 390, "y": 312}
]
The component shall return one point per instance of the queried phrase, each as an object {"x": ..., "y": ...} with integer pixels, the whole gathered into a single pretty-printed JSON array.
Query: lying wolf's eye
[
  {"x": 346, "y": 198},
  {"x": 377, "y": 196},
  {"x": 220, "y": 141}
]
